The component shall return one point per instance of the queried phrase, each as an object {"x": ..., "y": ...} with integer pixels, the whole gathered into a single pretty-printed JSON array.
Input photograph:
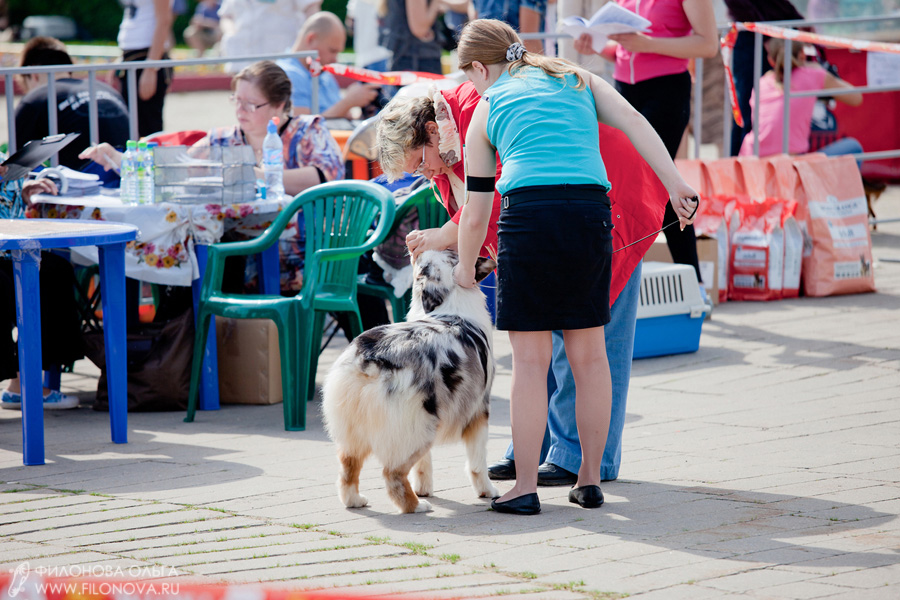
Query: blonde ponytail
[{"x": 488, "y": 41}]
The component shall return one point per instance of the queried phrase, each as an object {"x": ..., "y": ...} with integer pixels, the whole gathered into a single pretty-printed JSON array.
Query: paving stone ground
[{"x": 766, "y": 465}]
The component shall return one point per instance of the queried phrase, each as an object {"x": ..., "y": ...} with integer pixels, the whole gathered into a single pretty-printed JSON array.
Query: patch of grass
[
  {"x": 416, "y": 547},
  {"x": 569, "y": 586},
  {"x": 304, "y": 526},
  {"x": 70, "y": 491},
  {"x": 15, "y": 490},
  {"x": 502, "y": 592},
  {"x": 335, "y": 533},
  {"x": 451, "y": 558},
  {"x": 221, "y": 510},
  {"x": 529, "y": 575},
  {"x": 378, "y": 540},
  {"x": 598, "y": 595}
]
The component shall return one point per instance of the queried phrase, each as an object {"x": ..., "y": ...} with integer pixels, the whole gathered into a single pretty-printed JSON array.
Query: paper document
[{"x": 609, "y": 20}]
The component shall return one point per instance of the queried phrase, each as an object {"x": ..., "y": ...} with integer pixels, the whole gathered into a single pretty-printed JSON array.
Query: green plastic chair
[
  {"x": 431, "y": 214},
  {"x": 338, "y": 218}
]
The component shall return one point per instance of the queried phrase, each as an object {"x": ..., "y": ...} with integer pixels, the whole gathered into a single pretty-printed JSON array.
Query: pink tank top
[
  {"x": 771, "y": 113},
  {"x": 668, "y": 20}
]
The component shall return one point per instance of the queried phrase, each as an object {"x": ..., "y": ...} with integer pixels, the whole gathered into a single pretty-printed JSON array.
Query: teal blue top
[{"x": 544, "y": 130}]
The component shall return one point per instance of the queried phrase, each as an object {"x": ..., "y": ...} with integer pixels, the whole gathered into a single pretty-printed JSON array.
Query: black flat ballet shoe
[
  {"x": 502, "y": 470},
  {"x": 586, "y": 496},
  {"x": 550, "y": 474},
  {"x": 527, "y": 504}
]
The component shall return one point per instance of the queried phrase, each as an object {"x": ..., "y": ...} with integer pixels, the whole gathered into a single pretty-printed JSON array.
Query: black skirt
[{"x": 555, "y": 254}]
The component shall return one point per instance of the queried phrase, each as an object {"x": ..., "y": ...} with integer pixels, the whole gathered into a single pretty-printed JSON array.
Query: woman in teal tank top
[{"x": 555, "y": 244}]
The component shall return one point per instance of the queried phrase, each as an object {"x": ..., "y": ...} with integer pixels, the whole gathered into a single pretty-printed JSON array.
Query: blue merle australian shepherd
[{"x": 399, "y": 389}]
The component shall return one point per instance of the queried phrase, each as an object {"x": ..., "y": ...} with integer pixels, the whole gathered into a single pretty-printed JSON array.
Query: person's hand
[
  {"x": 684, "y": 203},
  {"x": 38, "y": 186},
  {"x": 362, "y": 94},
  {"x": 584, "y": 44},
  {"x": 464, "y": 276},
  {"x": 634, "y": 42},
  {"x": 103, "y": 154},
  {"x": 147, "y": 84},
  {"x": 420, "y": 241}
]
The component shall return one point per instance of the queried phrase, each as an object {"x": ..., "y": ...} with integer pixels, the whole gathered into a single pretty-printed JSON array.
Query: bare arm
[
  {"x": 615, "y": 111},
  {"x": 836, "y": 83},
  {"x": 481, "y": 161},
  {"x": 421, "y": 15},
  {"x": 702, "y": 42},
  {"x": 161, "y": 33},
  {"x": 432, "y": 239},
  {"x": 297, "y": 180}
]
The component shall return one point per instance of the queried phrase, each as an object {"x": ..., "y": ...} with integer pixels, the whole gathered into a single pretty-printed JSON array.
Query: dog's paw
[
  {"x": 424, "y": 489},
  {"x": 424, "y": 506},
  {"x": 355, "y": 501},
  {"x": 487, "y": 491}
]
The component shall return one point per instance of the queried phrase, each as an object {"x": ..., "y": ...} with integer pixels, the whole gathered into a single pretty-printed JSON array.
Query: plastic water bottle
[
  {"x": 145, "y": 171},
  {"x": 128, "y": 172},
  {"x": 273, "y": 162}
]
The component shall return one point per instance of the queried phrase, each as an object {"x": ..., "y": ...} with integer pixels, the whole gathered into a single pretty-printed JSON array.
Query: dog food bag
[
  {"x": 793, "y": 251},
  {"x": 722, "y": 177},
  {"x": 753, "y": 175},
  {"x": 692, "y": 172},
  {"x": 840, "y": 256},
  {"x": 756, "y": 269},
  {"x": 711, "y": 222}
]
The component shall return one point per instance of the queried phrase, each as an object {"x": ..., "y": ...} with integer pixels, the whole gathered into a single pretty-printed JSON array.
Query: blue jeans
[
  {"x": 561, "y": 446},
  {"x": 847, "y": 145}
]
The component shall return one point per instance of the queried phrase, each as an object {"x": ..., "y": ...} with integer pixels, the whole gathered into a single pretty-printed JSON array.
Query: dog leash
[{"x": 661, "y": 229}]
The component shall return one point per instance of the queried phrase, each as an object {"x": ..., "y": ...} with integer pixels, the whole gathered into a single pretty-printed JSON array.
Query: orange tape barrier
[
  {"x": 830, "y": 41},
  {"x": 794, "y": 35}
]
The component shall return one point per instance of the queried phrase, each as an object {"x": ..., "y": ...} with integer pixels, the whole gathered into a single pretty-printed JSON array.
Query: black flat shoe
[
  {"x": 502, "y": 470},
  {"x": 528, "y": 504},
  {"x": 550, "y": 474},
  {"x": 587, "y": 496}
]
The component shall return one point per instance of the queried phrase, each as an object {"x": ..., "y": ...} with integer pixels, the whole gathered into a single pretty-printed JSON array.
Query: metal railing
[
  {"x": 131, "y": 69},
  {"x": 788, "y": 94}
]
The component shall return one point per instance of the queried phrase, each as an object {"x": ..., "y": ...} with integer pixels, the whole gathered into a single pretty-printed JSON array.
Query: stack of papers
[
  {"x": 73, "y": 183},
  {"x": 609, "y": 20}
]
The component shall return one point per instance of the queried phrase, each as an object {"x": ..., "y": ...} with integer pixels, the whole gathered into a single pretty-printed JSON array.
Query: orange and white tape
[
  {"x": 398, "y": 78},
  {"x": 805, "y": 37},
  {"x": 808, "y": 37}
]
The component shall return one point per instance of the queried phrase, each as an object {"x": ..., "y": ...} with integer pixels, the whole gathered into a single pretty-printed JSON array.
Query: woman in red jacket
[{"x": 424, "y": 135}]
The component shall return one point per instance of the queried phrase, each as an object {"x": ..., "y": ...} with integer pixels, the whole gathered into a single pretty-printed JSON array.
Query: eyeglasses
[
  {"x": 421, "y": 168},
  {"x": 246, "y": 106}
]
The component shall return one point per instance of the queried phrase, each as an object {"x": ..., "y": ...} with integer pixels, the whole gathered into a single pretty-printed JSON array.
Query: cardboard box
[
  {"x": 707, "y": 252},
  {"x": 249, "y": 361}
]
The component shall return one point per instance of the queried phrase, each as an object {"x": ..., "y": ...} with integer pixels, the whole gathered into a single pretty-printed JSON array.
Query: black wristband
[
  {"x": 479, "y": 184},
  {"x": 322, "y": 178}
]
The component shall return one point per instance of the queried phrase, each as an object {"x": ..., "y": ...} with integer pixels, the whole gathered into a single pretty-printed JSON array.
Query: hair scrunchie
[{"x": 514, "y": 52}]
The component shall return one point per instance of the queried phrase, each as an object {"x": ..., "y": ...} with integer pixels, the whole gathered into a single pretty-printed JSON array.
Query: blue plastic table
[{"x": 25, "y": 238}]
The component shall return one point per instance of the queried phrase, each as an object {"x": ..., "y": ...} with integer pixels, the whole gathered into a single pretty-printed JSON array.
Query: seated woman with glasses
[{"x": 262, "y": 91}]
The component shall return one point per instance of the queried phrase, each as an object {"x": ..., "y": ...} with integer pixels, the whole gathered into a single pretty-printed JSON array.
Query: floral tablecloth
[{"x": 164, "y": 250}]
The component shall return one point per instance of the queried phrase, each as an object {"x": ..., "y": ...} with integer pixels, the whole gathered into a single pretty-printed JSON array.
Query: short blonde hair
[{"x": 402, "y": 128}]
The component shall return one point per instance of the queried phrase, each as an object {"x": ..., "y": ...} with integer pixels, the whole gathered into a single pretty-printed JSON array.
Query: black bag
[{"x": 159, "y": 364}]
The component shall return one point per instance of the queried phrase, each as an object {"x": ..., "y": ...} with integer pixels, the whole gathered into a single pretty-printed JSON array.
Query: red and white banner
[
  {"x": 829, "y": 41},
  {"x": 398, "y": 78},
  {"x": 727, "y": 49},
  {"x": 804, "y": 37}
]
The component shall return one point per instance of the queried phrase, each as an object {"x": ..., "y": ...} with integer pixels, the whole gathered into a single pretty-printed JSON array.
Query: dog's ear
[{"x": 483, "y": 267}]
